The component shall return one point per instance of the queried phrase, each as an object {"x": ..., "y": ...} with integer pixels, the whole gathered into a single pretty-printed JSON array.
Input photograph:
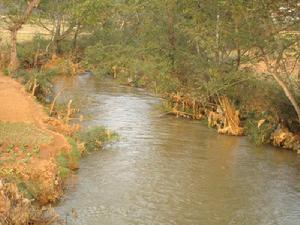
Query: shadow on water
[{"x": 173, "y": 171}]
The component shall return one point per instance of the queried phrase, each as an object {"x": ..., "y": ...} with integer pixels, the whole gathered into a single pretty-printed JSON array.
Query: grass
[
  {"x": 95, "y": 137},
  {"x": 22, "y": 134},
  {"x": 68, "y": 161},
  {"x": 63, "y": 164}
]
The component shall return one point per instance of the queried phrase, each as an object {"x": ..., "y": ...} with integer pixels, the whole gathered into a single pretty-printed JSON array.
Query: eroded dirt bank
[{"x": 29, "y": 151}]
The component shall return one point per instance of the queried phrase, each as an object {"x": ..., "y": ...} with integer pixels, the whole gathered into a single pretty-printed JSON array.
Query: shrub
[
  {"x": 63, "y": 164},
  {"x": 74, "y": 155},
  {"x": 43, "y": 79},
  {"x": 259, "y": 134},
  {"x": 95, "y": 137},
  {"x": 28, "y": 50},
  {"x": 68, "y": 161}
]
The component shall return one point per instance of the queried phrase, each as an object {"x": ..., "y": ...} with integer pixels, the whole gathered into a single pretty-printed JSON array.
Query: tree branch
[{"x": 18, "y": 23}]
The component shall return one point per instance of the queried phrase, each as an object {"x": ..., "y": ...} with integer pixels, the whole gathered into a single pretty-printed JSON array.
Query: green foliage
[
  {"x": 205, "y": 49},
  {"x": 93, "y": 140},
  {"x": 29, "y": 189},
  {"x": 63, "y": 164},
  {"x": 68, "y": 161},
  {"x": 95, "y": 137},
  {"x": 74, "y": 148},
  {"x": 259, "y": 133},
  {"x": 13, "y": 8},
  {"x": 43, "y": 79},
  {"x": 27, "y": 51},
  {"x": 6, "y": 71}
]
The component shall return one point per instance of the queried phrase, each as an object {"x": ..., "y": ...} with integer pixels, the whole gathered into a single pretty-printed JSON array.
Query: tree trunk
[
  {"x": 14, "y": 28},
  {"x": 238, "y": 58},
  {"x": 287, "y": 93},
  {"x": 171, "y": 31},
  {"x": 56, "y": 39},
  {"x": 36, "y": 56},
  {"x": 75, "y": 38},
  {"x": 238, "y": 49},
  {"x": 14, "y": 62},
  {"x": 274, "y": 71},
  {"x": 218, "y": 40}
]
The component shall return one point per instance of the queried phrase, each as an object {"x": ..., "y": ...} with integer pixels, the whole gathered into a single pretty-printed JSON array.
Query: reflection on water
[{"x": 172, "y": 171}]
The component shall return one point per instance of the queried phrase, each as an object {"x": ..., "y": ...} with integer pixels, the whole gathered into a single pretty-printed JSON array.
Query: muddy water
[{"x": 171, "y": 171}]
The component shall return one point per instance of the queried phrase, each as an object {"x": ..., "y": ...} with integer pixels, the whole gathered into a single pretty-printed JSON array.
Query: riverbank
[
  {"x": 229, "y": 120},
  {"x": 232, "y": 113},
  {"x": 28, "y": 154},
  {"x": 37, "y": 155}
]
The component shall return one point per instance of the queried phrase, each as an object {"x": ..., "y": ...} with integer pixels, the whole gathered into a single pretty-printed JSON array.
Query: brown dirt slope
[
  {"x": 35, "y": 166},
  {"x": 16, "y": 105}
]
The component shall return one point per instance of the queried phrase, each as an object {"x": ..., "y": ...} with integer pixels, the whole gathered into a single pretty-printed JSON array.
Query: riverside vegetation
[{"x": 234, "y": 64}]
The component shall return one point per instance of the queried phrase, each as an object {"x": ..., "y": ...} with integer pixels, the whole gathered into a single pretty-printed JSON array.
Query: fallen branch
[
  {"x": 54, "y": 101},
  {"x": 35, "y": 86},
  {"x": 69, "y": 112}
]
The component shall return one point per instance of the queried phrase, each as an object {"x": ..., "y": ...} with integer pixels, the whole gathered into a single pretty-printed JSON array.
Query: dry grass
[
  {"x": 27, "y": 32},
  {"x": 15, "y": 209}
]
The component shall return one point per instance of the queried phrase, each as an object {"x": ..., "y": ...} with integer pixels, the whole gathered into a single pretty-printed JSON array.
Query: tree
[
  {"x": 273, "y": 34},
  {"x": 17, "y": 14},
  {"x": 57, "y": 18},
  {"x": 63, "y": 18}
]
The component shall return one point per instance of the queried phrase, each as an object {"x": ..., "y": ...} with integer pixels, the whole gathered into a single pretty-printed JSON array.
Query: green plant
[
  {"x": 36, "y": 150},
  {"x": 63, "y": 162},
  {"x": 43, "y": 80},
  {"x": 95, "y": 137},
  {"x": 74, "y": 148},
  {"x": 28, "y": 50},
  {"x": 23, "y": 148},
  {"x": 6, "y": 71},
  {"x": 259, "y": 131},
  {"x": 10, "y": 148}
]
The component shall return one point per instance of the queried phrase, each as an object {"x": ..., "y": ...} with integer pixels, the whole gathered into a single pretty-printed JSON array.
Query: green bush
[
  {"x": 28, "y": 50},
  {"x": 63, "y": 164},
  {"x": 68, "y": 161},
  {"x": 43, "y": 79},
  {"x": 94, "y": 138},
  {"x": 259, "y": 134},
  {"x": 74, "y": 148}
]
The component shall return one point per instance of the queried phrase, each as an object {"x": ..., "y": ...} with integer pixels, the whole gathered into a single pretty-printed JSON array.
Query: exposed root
[
  {"x": 231, "y": 118},
  {"x": 185, "y": 106},
  {"x": 283, "y": 138},
  {"x": 225, "y": 119}
]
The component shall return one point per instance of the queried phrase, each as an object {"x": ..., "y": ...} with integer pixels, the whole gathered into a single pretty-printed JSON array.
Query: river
[{"x": 171, "y": 171}]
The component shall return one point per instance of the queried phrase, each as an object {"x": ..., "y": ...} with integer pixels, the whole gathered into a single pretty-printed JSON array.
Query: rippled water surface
[{"x": 173, "y": 171}]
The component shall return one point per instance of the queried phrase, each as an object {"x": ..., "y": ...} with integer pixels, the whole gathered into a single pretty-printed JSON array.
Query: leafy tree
[
  {"x": 17, "y": 14},
  {"x": 62, "y": 18}
]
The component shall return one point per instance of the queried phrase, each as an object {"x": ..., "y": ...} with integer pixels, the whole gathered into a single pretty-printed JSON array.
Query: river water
[{"x": 166, "y": 171}]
